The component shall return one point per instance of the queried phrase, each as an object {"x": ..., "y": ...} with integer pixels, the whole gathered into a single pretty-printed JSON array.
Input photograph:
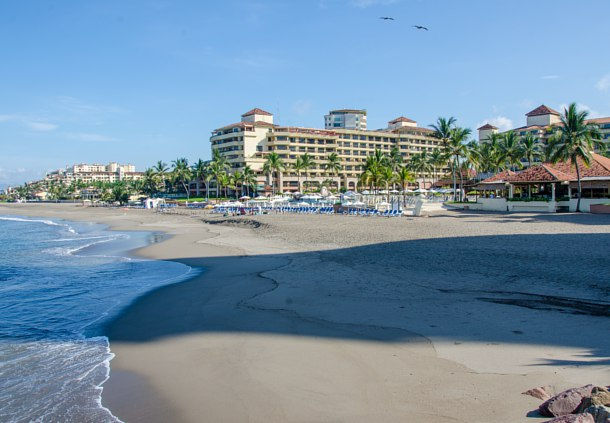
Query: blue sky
[{"x": 137, "y": 81}]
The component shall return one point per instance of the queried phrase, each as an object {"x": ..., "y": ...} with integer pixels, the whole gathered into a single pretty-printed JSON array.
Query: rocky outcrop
[
  {"x": 542, "y": 393},
  {"x": 600, "y": 413},
  {"x": 573, "y": 418},
  {"x": 566, "y": 402}
]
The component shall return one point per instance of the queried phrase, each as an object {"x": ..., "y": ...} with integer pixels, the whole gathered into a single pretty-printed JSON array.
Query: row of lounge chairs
[{"x": 306, "y": 210}]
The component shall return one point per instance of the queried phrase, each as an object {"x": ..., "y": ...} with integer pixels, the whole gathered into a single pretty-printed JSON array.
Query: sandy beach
[{"x": 307, "y": 318}]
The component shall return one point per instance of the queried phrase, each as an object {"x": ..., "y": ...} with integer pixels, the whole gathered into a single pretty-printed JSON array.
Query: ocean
[{"x": 60, "y": 282}]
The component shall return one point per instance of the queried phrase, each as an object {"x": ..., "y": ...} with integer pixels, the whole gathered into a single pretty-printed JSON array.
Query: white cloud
[
  {"x": 89, "y": 137},
  {"x": 550, "y": 77},
  {"x": 502, "y": 122},
  {"x": 604, "y": 83},
  {"x": 580, "y": 106},
  {"x": 35, "y": 124},
  {"x": 41, "y": 126}
]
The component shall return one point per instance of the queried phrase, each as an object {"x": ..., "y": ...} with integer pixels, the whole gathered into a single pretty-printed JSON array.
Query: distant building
[
  {"x": 112, "y": 172},
  {"x": 541, "y": 122},
  {"x": 345, "y": 119}
]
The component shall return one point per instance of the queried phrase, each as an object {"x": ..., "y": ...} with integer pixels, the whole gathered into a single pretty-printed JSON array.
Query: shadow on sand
[{"x": 527, "y": 289}]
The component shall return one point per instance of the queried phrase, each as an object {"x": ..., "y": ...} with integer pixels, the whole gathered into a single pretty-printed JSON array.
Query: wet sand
[{"x": 337, "y": 318}]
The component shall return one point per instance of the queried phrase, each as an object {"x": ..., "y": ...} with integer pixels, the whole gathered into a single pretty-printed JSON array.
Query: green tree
[
  {"x": 182, "y": 174},
  {"x": 249, "y": 178},
  {"x": 299, "y": 167},
  {"x": 530, "y": 148},
  {"x": 274, "y": 165},
  {"x": 575, "y": 139},
  {"x": 456, "y": 148},
  {"x": 333, "y": 165},
  {"x": 511, "y": 150},
  {"x": 200, "y": 172},
  {"x": 308, "y": 164}
]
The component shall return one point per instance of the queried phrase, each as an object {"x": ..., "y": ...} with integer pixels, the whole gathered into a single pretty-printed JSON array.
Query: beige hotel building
[{"x": 250, "y": 140}]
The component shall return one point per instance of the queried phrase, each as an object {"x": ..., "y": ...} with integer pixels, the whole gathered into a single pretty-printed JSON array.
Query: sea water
[{"x": 59, "y": 282}]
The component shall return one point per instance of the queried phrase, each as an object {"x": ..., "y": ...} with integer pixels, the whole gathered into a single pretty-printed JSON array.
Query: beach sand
[{"x": 305, "y": 318}]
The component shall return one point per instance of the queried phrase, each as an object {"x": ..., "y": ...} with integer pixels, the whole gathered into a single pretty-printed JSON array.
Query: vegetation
[{"x": 573, "y": 141}]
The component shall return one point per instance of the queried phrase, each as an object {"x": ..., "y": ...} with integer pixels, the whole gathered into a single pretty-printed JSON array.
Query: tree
[
  {"x": 387, "y": 177},
  {"x": 217, "y": 167},
  {"x": 511, "y": 150},
  {"x": 200, "y": 171},
  {"x": 333, "y": 165},
  {"x": 161, "y": 170},
  {"x": 274, "y": 165},
  {"x": 442, "y": 129},
  {"x": 150, "y": 183},
  {"x": 299, "y": 167},
  {"x": 456, "y": 148},
  {"x": 119, "y": 193},
  {"x": 307, "y": 163},
  {"x": 238, "y": 179},
  {"x": 249, "y": 178},
  {"x": 530, "y": 148},
  {"x": 437, "y": 158},
  {"x": 420, "y": 163},
  {"x": 575, "y": 139},
  {"x": 182, "y": 174}
]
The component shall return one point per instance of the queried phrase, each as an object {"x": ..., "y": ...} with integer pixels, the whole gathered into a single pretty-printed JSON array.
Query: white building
[
  {"x": 112, "y": 172},
  {"x": 346, "y": 119}
]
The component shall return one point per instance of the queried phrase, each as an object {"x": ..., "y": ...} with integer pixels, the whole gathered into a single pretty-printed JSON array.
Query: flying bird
[
  {"x": 420, "y": 27},
  {"x": 386, "y": 18}
]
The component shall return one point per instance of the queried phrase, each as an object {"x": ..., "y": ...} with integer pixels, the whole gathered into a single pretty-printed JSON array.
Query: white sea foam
[{"x": 44, "y": 221}]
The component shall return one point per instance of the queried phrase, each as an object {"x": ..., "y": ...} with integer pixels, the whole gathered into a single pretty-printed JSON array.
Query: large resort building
[
  {"x": 541, "y": 122},
  {"x": 248, "y": 142}
]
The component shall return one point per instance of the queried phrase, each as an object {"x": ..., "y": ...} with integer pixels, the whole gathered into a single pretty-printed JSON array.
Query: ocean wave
[{"x": 44, "y": 221}]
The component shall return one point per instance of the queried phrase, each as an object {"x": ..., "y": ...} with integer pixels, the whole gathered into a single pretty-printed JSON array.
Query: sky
[{"x": 139, "y": 81}]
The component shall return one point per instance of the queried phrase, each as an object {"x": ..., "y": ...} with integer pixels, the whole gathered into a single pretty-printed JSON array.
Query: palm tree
[
  {"x": 530, "y": 148},
  {"x": 456, "y": 148},
  {"x": 299, "y": 167},
  {"x": 161, "y": 170},
  {"x": 200, "y": 170},
  {"x": 182, "y": 174},
  {"x": 575, "y": 139},
  {"x": 373, "y": 167},
  {"x": 420, "y": 164},
  {"x": 387, "y": 177},
  {"x": 249, "y": 178},
  {"x": 510, "y": 148},
  {"x": 404, "y": 176},
  {"x": 443, "y": 128},
  {"x": 274, "y": 164},
  {"x": 150, "y": 183},
  {"x": 437, "y": 158},
  {"x": 238, "y": 179},
  {"x": 333, "y": 165},
  {"x": 307, "y": 163},
  {"x": 223, "y": 180}
]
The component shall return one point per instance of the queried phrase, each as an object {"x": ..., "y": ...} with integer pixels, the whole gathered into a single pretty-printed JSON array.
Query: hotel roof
[
  {"x": 541, "y": 111},
  {"x": 245, "y": 124},
  {"x": 401, "y": 119},
  {"x": 487, "y": 126},
  {"x": 564, "y": 171},
  {"x": 498, "y": 177},
  {"x": 256, "y": 111},
  {"x": 362, "y": 111}
]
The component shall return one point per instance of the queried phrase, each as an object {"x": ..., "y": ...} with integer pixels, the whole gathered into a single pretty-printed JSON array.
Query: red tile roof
[
  {"x": 256, "y": 111},
  {"x": 498, "y": 177},
  {"x": 401, "y": 119},
  {"x": 564, "y": 171},
  {"x": 486, "y": 126},
  {"x": 542, "y": 110}
]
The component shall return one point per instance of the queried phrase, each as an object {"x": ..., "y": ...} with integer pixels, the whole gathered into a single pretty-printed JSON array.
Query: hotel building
[
  {"x": 248, "y": 142},
  {"x": 540, "y": 123},
  {"x": 112, "y": 172},
  {"x": 345, "y": 119}
]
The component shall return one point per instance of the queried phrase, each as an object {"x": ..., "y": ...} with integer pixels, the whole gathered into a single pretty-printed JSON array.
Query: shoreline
[{"x": 215, "y": 333}]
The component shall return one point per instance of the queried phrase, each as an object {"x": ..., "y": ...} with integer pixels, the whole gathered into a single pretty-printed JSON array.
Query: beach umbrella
[
  {"x": 245, "y": 197},
  {"x": 394, "y": 191},
  {"x": 366, "y": 192},
  {"x": 358, "y": 204}
]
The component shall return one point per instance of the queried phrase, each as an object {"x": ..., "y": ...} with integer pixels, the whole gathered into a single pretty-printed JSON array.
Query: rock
[
  {"x": 599, "y": 396},
  {"x": 600, "y": 413},
  {"x": 573, "y": 418},
  {"x": 567, "y": 402},
  {"x": 541, "y": 393}
]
